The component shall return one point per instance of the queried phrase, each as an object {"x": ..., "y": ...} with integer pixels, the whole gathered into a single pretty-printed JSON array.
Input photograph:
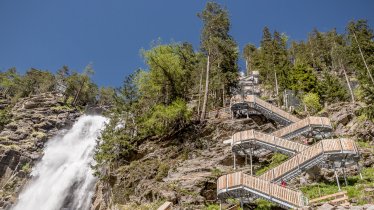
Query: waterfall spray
[{"x": 63, "y": 178}]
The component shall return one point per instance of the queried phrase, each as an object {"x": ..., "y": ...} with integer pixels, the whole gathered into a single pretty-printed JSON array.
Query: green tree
[
  {"x": 331, "y": 88},
  {"x": 9, "y": 81},
  {"x": 35, "y": 82},
  {"x": 80, "y": 90},
  {"x": 303, "y": 78},
  {"x": 221, "y": 52},
  {"x": 361, "y": 48},
  {"x": 312, "y": 102},
  {"x": 248, "y": 54}
]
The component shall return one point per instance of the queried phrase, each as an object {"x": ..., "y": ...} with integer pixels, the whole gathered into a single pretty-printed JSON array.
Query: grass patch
[
  {"x": 162, "y": 171},
  {"x": 212, "y": 207},
  {"x": 355, "y": 189},
  {"x": 263, "y": 204},
  {"x": 216, "y": 172},
  {"x": 364, "y": 144},
  {"x": 146, "y": 206},
  {"x": 275, "y": 161},
  {"x": 62, "y": 108},
  {"x": 26, "y": 167}
]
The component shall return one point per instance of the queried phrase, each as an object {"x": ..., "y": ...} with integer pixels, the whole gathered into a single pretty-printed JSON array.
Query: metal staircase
[
  {"x": 303, "y": 157},
  {"x": 238, "y": 102}
]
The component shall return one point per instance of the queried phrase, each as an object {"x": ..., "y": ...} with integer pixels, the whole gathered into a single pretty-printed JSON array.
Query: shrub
[
  {"x": 162, "y": 171},
  {"x": 164, "y": 118},
  {"x": 312, "y": 102}
]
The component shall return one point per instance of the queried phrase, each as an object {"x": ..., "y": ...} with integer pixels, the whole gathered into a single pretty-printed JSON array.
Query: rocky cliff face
[
  {"x": 182, "y": 168},
  {"x": 34, "y": 120}
]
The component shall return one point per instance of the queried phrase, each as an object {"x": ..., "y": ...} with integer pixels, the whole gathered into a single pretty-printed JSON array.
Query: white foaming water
[{"x": 63, "y": 178}]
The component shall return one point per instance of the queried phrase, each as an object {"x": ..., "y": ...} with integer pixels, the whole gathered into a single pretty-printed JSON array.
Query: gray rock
[
  {"x": 369, "y": 206},
  {"x": 325, "y": 206}
]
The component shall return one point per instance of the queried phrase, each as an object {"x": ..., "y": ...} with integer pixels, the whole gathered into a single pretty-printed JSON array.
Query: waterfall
[{"x": 63, "y": 179}]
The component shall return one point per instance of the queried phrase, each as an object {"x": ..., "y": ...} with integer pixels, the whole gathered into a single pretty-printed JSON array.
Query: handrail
[
  {"x": 307, "y": 122},
  {"x": 274, "y": 191},
  {"x": 258, "y": 101},
  {"x": 258, "y": 137},
  {"x": 263, "y": 185},
  {"x": 330, "y": 146},
  {"x": 315, "y": 200},
  {"x": 303, "y": 156}
]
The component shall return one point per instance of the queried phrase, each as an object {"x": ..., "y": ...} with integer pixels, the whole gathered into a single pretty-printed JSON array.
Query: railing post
[
  {"x": 345, "y": 177},
  {"x": 250, "y": 156},
  {"x": 234, "y": 161},
  {"x": 246, "y": 159},
  {"x": 227, "y": 182},
  {"x": 337, "y": 178},
  {"x": 341, "y": 145},
  {"x": 359, "y": 170}
]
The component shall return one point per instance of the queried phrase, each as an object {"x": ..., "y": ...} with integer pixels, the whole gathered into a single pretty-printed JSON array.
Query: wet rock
[{"x": 22, "y": 140}]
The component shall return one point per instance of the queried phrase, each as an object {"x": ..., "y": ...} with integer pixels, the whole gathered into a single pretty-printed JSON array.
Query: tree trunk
[
  {"x": 347, "y": 80},
  {"x": 77, "y": 95},
  {"x": 202, "y": 117},
  {"x": 276, "y": 84},
  {"x": 223, "y": 95},
  {"x": 200, "y": 89},
  {"x": 246, "y": 66},
  {"x": 362, "y": 56}
]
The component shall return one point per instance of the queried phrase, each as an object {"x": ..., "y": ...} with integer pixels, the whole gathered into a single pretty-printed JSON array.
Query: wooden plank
[
  {"x": 166, "y": 206},
  {"x": 328, "y": 197}
]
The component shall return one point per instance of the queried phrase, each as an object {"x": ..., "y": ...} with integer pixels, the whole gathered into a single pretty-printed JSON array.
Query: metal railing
[
  {"x": 262, "y": 105},
  {"x": 328, "y": 147},
  {"x": 309, "y": 122},
  {"x": 257, "y": 138},
  {"x": 264, "y": 185},
  {"x": 273, "y": 192}
]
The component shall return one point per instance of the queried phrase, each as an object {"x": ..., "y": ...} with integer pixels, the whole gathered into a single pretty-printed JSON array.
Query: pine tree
[{"x": 221, "y": 52}]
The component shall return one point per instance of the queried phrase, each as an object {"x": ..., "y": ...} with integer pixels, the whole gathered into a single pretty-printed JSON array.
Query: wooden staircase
[
  {"x": 266, "y": 186},
  {"x": 340, "y": 198}
]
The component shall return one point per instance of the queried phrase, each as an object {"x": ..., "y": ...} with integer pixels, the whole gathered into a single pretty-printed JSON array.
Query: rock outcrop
[
  {"x": 34, "y": 120},
  {"x": 348, "y": 122},
  {"x": 182, "y": 168}
]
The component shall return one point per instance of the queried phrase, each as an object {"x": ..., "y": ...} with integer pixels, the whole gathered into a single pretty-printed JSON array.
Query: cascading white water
[{"x": 63, "y": 178}]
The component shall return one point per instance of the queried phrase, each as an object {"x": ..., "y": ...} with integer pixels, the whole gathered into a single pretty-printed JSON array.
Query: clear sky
[{"x": 47, "y": 34}]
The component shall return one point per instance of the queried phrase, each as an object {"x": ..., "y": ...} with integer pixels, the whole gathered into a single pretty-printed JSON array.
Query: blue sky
[{"x": 47, "y": 34}]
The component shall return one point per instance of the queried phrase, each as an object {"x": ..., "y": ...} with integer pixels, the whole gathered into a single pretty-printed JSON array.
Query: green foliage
[
  {"x": 364, "y": 144},
  {"x": 26, "y": 167},
  {"x": 302, "y": 78},
  {"x": 164, "y": 118},
  {"x": 5, "y": 117},
  {"x": 106, "y": 96},
  {"x": 162, "y": 171},
  {"x": 368, "y": 97},
  {"x": 331, "y": 88},
  {"x": 360, "y": 36},
  {"x": 212, "y": 207},
  {"x": 77, "y": 88},
  {"x": 264, "y": 204},
  {"x": 222, "y": 50},
  {"x": 248, "y": 54},
  {"x": 169, "y": 74},
  {"x": 312, "y": 102},
  {"x": 355, "y": 188},
  {"x": 275, "y": 161},
  {"x": 216, "y": 172}
]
